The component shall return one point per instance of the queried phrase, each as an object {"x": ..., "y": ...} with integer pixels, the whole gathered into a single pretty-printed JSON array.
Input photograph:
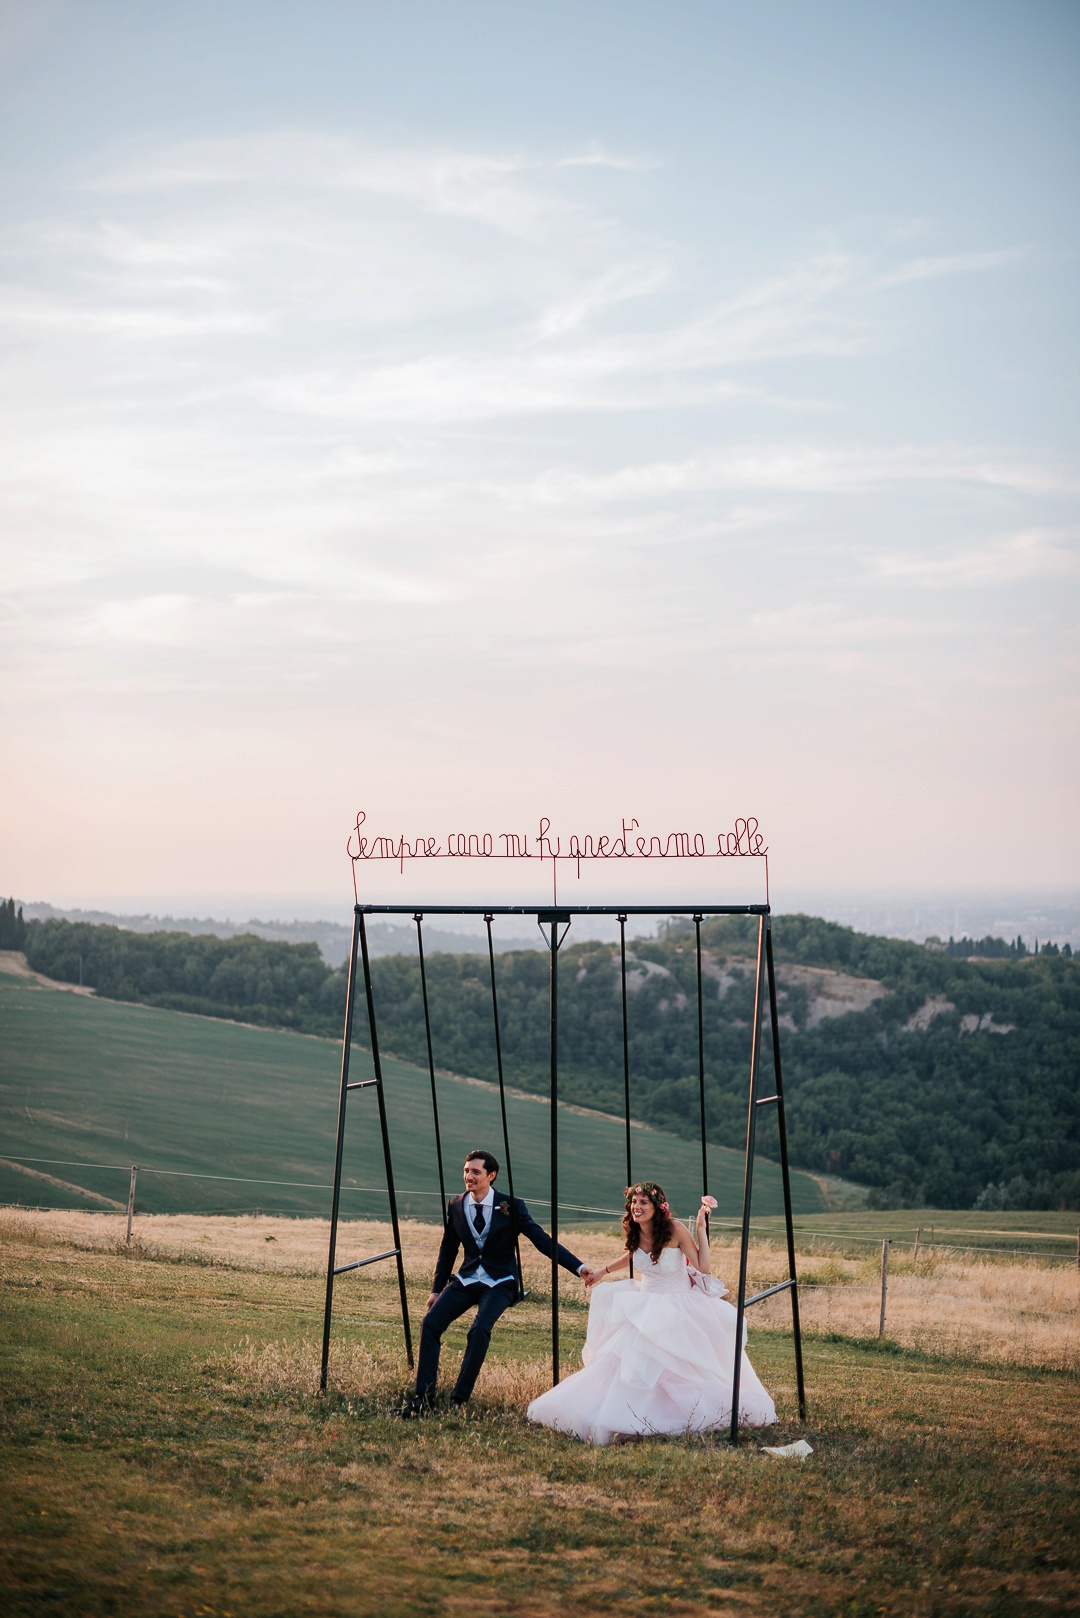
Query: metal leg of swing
[
  {"x": 350, "y": 1001},
  {"x": 748, "y": 1182},
  {"x": 781, "y": 1123},
  {"x": 391, "y": 1197}
]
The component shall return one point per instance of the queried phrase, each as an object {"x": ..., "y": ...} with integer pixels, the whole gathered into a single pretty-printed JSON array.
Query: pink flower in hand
[{"x": 708, "y": 1202}]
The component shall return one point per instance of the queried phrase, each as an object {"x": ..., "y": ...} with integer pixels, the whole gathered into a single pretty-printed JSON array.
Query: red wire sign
[{"x": 742, "y": 841}]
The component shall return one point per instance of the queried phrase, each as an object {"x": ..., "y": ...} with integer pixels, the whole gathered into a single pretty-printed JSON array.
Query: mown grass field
[
  {"x": 89, "y": 1081},
  {"x": 164, "y": 1453}
]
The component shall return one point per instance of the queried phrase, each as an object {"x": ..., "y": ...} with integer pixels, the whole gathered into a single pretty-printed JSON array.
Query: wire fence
[
  {"x": 296, "y": 1185},
  {"x": 763, "y": 1231}
]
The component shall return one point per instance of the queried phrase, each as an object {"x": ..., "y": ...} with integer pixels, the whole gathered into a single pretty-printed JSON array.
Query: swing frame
[{"x": 556, "y": 919}]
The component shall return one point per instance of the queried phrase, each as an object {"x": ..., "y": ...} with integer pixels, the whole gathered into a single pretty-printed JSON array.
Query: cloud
[
  {"x": 284, "y": 408},
  {"x": 416, "y": 284},
  {"x": 615, "y": 285},
  {"x": 800, "y": 468},
  {"x": 933, "y": 269},
  {"x": 598, "y": 158},
  {"x": 1032, "y": 553},
  {"x": 505, "y": 192}
]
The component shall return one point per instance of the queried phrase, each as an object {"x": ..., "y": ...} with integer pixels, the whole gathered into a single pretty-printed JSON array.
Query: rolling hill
[
  {"x": 931, "y": 1079},
  {"x": 244, "y": 1117}
]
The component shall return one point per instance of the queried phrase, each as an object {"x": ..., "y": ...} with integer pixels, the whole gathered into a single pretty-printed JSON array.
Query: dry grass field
[
  {"x": 979, "y": 1306},
  {"x": 164, "y": 1451}
]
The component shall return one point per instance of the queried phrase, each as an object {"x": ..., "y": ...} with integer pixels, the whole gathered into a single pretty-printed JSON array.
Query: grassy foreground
[{"x": 163, "y": 1454}]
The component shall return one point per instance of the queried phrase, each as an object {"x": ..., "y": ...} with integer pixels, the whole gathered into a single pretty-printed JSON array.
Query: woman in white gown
[{"x": 660, "y": 1349}]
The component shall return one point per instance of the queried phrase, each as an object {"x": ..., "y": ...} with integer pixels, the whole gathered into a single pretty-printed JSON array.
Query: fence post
[
  {"x": 918, "y": 1239},
  {"x": 1078, "y": 1250},
  {"x": 884, "y": 1285},
  {"x": 131, "y": 1201}
]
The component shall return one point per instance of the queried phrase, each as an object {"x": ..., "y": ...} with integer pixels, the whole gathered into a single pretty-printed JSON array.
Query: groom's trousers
[{"x": 452, "y": 1302}]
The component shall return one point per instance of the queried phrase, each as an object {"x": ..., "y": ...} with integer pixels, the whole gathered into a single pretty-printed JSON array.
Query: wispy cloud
[
  {"x": 276, "y": 399},
  {"x": 598, "y": 158},
  {"x": 802, "y": 468},
  {"x": 1030, "y": 554},
  {"x": 932, "y": 269}
]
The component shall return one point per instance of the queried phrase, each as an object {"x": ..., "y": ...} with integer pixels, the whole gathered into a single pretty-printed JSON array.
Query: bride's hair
[{"x": 662, "y": 1226}]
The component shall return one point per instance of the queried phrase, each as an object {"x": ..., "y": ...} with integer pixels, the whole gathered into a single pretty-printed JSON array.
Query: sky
[{"x": 478, "y": 412}]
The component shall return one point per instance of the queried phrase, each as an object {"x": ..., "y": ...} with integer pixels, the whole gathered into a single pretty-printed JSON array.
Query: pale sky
[{"x": 467, "y": 412}]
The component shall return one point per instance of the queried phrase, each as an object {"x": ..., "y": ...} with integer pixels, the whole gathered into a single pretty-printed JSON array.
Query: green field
[{"x": 245, "y": 1117}]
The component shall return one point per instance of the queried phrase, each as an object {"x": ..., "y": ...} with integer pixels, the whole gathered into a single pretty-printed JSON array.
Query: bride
[{"x": 660, "y": 1348}]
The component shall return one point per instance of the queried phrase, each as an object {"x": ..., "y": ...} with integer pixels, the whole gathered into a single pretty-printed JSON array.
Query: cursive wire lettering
[{"x": 744, "y": 840}]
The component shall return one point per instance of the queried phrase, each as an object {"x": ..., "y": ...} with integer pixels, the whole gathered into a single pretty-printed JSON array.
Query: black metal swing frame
[{"x": 557, "y": 921}]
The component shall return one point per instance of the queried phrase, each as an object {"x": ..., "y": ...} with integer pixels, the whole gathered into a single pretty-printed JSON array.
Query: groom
[{"x": 487, "y": 1227}]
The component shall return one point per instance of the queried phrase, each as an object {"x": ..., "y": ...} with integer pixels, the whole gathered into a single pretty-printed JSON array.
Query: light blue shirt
[{"x": 480, "y": 1276}]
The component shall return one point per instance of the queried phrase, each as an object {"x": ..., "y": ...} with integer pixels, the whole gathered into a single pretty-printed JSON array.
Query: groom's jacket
[{"x": 510, "y": 1218}]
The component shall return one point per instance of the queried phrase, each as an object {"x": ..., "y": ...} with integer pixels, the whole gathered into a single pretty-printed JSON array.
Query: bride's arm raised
[{"x": 696, "y": 1251}]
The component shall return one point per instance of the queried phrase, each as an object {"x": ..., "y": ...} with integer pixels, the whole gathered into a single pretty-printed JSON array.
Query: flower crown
[{"x": 647, "y": 1188}]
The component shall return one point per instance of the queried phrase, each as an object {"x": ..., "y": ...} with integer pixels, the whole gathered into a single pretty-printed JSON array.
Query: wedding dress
[{"x": 658, "y": 1358}]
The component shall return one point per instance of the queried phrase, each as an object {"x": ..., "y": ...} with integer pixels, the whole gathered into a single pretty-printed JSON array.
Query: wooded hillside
[{"x": 931, "y": 1079}]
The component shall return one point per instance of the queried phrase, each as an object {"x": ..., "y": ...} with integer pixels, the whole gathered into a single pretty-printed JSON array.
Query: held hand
[{"x": 590, "y": 1277}]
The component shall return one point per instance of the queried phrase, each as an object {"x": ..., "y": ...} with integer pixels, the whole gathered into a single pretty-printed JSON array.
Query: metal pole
[
  {"x": 419, "y": 918},
  {"x": 554, "y": 1091},
  {"x": 131, "y": 1201},
  {"x": 343, "y": 1092},
  {"x": 884, "y": 1285},
  {"x": 701, "y": 1066},
  {"x": 781, "y": 1124},
  {"x": 748, "y": 1180},
  {"x": 625, "y": 1047},
  {"x": 391, "y": 1198}
]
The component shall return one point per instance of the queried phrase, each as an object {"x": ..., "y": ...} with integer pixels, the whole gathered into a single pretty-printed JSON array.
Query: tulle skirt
[{"x": 657, "y": 1359}]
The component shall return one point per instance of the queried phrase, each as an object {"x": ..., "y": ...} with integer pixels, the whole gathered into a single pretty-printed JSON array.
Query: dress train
[{"x": 658, "y": 1358}]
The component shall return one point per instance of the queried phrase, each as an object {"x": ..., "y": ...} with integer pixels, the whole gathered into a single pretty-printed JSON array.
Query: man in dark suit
[{"x": 487, "y": 1227}]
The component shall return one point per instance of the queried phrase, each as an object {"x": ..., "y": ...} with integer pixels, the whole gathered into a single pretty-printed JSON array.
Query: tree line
[
  {"x": 936, "y": 1110},
  {"x": 12, "y": 926},
  {"x": 996, "y": 949}
]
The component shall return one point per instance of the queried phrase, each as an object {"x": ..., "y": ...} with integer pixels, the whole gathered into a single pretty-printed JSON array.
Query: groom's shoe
[{"x": 417, "y": 1404}]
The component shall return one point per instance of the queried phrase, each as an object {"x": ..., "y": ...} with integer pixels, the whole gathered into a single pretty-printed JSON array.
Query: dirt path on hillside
[{"x": 13, "y": 962}]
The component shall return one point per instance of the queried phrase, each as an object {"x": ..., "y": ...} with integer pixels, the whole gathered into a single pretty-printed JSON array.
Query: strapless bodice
[{"x": 668, "y": 1274}]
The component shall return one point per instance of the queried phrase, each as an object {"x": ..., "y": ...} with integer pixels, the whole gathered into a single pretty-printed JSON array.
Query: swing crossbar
[
  {"x": 763, "y": 1101},
  {"x": 391, "y": 1252},
  {"x": 576, "y": 910},
  {"x": 361, "y": 1084}
]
